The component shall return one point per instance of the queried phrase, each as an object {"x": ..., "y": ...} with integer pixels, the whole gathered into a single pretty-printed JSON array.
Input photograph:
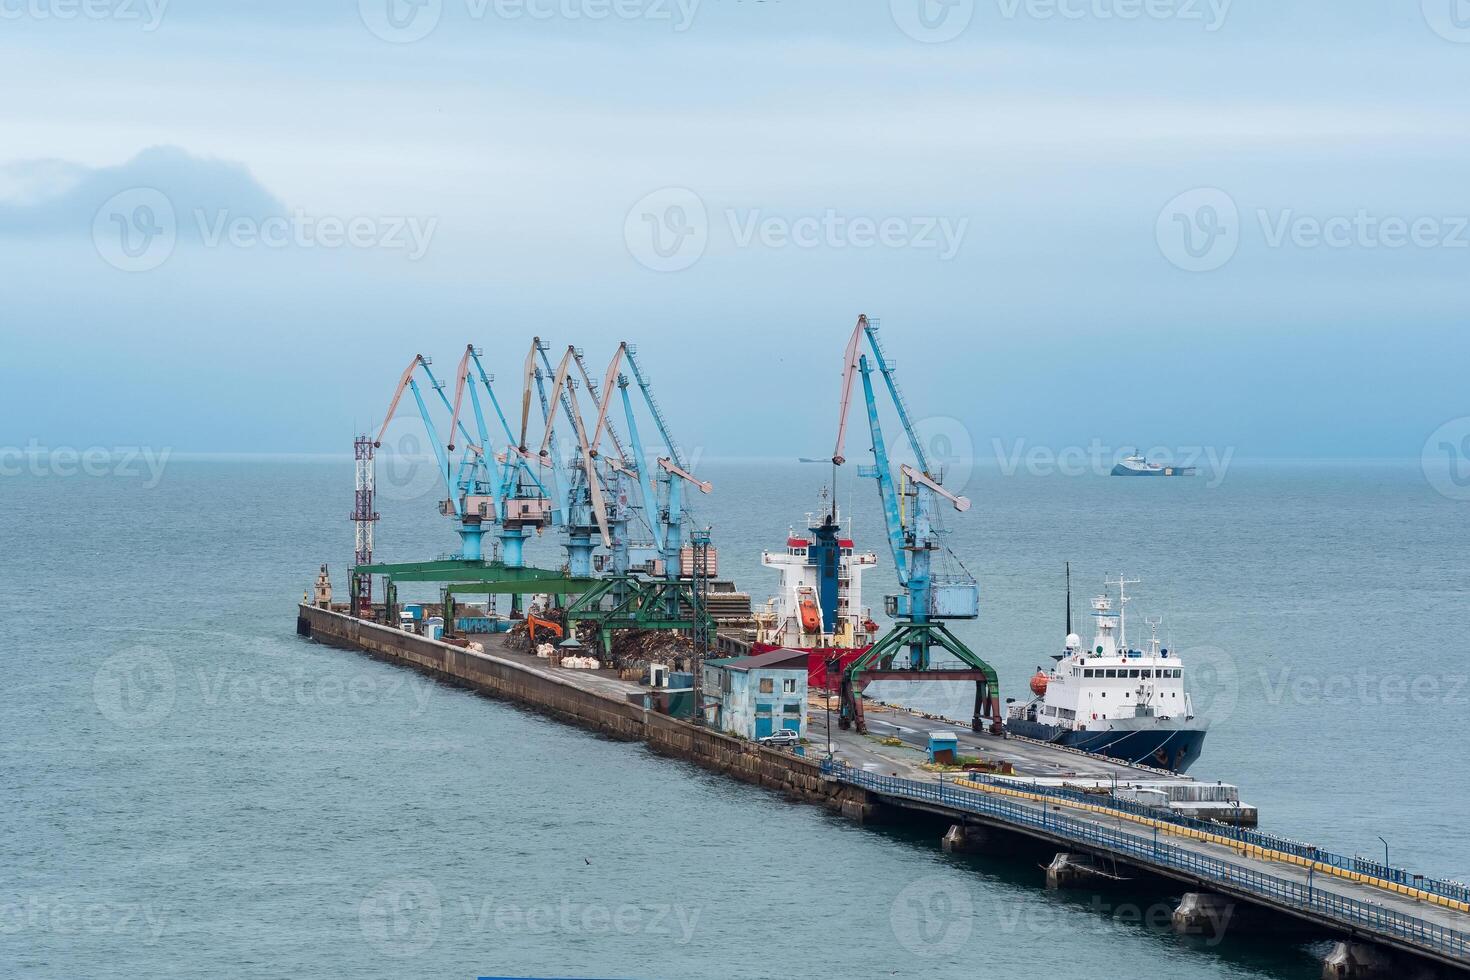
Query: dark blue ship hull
[
  {"x": 1172, "y": 749},
  {"x": 1121, "y": 470}
]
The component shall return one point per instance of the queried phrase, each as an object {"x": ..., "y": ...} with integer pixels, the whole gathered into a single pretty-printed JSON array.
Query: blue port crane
[
  {"x": 668, "y": 595},
  {"x": 662, "y": 482},
  {"x": 588, "y": 494},
  {"x": 932, "y": 592},
  {"x": 584, "y": 513},
  {"x": 482, "y": 489},
  {"x": 519, "y": 502},
  {"x": 466, "y": 477}
]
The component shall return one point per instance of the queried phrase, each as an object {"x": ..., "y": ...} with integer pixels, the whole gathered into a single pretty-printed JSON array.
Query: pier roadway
[
  {"x": 1035, "y": 759},
  {"x": 1094, "y": 845},
  {"x": 1360, "y": 909},
  {"x": 1095, "y": 835},
  {"x": 1032, "y": 759}
]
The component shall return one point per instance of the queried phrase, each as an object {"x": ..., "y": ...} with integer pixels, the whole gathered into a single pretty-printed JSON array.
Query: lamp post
[
  {"x": 834, "y": 663},
  {"x": 1385, "y": 854}
]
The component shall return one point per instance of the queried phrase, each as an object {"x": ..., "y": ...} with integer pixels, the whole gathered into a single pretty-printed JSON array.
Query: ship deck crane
[{"x": 929, "y": 595}]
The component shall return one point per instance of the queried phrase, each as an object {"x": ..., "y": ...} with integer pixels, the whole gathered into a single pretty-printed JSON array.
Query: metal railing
[
  {"x": 1453, "y": 890},
  {"x": 1349, "y": 912}
]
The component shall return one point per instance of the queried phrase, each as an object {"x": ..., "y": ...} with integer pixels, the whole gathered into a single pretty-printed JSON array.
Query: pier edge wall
[{"x": 797, "y": 777}]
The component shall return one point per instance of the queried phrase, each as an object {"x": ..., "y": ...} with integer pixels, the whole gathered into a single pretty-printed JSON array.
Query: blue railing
[
  {"x": 1349, "y": 912},
  {"x": 1448, "y": 889}
]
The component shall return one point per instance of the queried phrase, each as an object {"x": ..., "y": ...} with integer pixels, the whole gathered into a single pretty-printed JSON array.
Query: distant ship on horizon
[{"x": 1137, "y": 465}]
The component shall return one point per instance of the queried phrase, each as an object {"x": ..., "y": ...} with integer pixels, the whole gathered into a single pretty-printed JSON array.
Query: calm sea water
[{"x": 192, "y": 791}]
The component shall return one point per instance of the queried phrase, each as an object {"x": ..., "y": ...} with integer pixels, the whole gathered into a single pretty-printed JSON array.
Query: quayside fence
[
  {"x": 1303, "y": 896},
  {"x": 1457, "y": 891}
]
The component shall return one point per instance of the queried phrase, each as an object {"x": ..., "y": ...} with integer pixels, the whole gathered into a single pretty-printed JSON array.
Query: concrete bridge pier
[
  {"x": 1365, "y": 961},
  {"x": 1203, "y": 914},
  {"x": 1073, "y": 871},
  {"x": 968, "y": 839},
  {"x": 862, "y": 807}
]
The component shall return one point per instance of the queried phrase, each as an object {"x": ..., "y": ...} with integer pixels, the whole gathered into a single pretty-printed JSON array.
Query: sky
[{"x": 226, "y": 227}]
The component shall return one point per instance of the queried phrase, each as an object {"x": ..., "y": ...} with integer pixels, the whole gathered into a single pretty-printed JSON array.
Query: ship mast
[
  {"x": 1069, "y": 598},
  {"x": 1123, "y": 600}
]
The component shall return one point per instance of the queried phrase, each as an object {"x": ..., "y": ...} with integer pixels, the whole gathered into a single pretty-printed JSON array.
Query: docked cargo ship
[
  {"x": 819, "y": 605},
  {"x": 1114, "y": 700}
]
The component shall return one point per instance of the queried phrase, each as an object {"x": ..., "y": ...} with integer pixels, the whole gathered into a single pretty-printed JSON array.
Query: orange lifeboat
[
  {"x": 811, "y": 618},
  {"x": 1038, "y": 683}
]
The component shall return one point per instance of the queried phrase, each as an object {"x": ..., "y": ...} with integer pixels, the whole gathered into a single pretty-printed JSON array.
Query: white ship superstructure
[
  {"x": 1111, "y": 698},
  {"x": 819, "y": 603}
]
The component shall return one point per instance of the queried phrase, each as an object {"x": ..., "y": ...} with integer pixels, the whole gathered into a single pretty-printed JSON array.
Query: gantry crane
[{"x": 930, "y": 594}]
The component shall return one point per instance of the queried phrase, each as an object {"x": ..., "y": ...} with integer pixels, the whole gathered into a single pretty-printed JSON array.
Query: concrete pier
[
  {"x": 592, "y": 701},
  {"x": 884, "y": 779},
  {"x": 967, "y": 839},
  {"x": 1203, "y": 914},
  {"x": 1365, "y": 961},
  {"x": 1073, "y": 871}
]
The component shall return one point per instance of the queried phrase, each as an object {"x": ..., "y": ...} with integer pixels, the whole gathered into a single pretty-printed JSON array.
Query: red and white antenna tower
[{"x": 363, "y": 518}]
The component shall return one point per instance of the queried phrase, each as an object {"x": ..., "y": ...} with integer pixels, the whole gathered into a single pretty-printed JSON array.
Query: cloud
[{"x": 56, "y": 198}]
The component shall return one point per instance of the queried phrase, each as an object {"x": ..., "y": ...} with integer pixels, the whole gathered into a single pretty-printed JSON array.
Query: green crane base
[
  {"x": 638, "y": 604},
  {"x": 877, "y": 664},
  {"x": 484, "y": 577}
]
